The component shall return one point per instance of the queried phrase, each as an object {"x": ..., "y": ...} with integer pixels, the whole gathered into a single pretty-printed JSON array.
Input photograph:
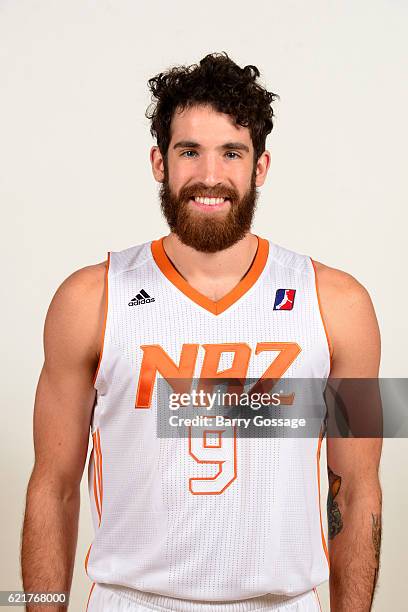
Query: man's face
[{"x": 208, "y": 193}]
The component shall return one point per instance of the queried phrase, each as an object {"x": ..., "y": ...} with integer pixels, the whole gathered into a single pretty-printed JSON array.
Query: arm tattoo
[{"x": 335, "y": 522}]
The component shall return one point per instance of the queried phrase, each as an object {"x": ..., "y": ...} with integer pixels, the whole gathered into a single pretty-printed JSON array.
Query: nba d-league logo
[{"x": 284, "y": 299}]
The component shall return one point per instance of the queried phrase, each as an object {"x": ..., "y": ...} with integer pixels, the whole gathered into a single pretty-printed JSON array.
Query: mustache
[{"x": 199, "y": 189}]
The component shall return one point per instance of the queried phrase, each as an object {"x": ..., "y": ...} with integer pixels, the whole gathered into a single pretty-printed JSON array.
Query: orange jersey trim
[
  {"x": 99, "y": 465},
  {"x": 89, "y": 596},
  {"x": 96, "y": 493},
  {"x": 326, "y": 552},
  {"x": 317, "y": 597},
  {"x": 86, "y": 559},
  {"x": 97, "y": 473},
  {"x": 102, "y": 342},
  {"x": 214, "y": 306},
  {"x": 96, "y": 457},
  {"x": 329, "y": 344}
]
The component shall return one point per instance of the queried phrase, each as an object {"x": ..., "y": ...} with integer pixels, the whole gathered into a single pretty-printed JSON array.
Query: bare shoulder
[
  {"x": 88, "y": 278},
  {"x": 339, "y": 286},
  {"x": 349, "y": 316},
  {"x": 75, "y": 317}
]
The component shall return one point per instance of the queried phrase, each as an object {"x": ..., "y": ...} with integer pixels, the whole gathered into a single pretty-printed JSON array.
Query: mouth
[{"x": 206, "y": 203}]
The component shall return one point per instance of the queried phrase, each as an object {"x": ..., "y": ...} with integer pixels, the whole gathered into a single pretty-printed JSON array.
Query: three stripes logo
[{"x": 141, "y": 298}]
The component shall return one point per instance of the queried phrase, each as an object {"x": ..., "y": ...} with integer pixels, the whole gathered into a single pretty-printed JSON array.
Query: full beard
[{"x": 208, "y": 232}]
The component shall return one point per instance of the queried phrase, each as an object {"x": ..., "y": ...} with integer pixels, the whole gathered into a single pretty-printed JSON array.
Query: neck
[{"x": 231, "y": 263}]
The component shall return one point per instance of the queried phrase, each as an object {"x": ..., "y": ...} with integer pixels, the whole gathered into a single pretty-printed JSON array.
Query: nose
[{"x": 211, "y": 171}]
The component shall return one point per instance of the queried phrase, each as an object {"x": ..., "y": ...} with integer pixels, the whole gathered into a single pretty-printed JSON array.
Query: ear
[
  {"x": 157, "y": 161},
  {"x": 262, "y": 167}
]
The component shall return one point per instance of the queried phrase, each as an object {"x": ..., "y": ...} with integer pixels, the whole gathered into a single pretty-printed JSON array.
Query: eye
[
  {"x": 233, "y": 153},
  {"x": 184, "y": 154}
]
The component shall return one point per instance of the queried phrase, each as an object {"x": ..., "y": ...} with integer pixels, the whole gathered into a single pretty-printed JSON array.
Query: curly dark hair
[{"x": 219, "y": 82}]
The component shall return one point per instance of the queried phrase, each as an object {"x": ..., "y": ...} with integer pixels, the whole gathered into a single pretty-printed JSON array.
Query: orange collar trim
[{"x": 214, "y": 306}]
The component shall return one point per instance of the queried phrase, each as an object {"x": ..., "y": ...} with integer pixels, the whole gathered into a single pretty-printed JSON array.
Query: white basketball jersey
[{"x": 188, "y": 517}]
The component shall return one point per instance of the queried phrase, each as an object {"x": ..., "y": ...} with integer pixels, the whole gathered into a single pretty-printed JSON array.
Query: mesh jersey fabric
[{"x": 263, "y": 532}]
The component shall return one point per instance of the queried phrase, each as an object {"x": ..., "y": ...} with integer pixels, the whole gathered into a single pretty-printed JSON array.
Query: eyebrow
[{"x": 190, "y": 144}]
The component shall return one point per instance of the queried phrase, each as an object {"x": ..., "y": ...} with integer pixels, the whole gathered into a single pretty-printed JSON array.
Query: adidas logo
[{"x": 141, "y": 298}]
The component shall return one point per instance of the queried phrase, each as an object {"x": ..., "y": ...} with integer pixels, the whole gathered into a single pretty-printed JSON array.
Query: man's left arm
[{"x": 354, "y": 498}]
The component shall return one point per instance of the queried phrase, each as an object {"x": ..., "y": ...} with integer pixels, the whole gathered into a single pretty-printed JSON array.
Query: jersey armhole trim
[
  {"x": 105, "y": 317},
  {"x": 329, "y": 344},
  {"x": 318, "y": 599},
  {"x": 324, "y": 543},
  {"x": 89, "y": 596}
]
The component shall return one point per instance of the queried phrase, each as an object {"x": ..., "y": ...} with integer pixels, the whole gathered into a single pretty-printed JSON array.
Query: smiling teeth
[{"x": 209, "y": 201}]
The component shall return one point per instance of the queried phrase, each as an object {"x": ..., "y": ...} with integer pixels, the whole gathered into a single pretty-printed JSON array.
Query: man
[{"x": 186, "y": 523}]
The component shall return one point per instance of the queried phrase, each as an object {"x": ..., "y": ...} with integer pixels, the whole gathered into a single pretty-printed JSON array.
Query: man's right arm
[{"x": 62, "y": 415}]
